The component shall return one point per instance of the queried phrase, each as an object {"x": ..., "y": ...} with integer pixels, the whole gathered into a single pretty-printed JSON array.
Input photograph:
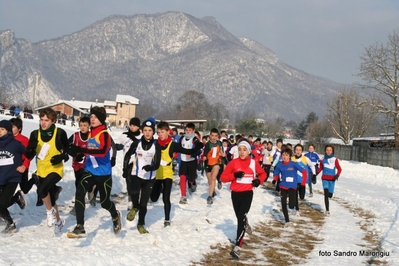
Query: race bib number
[
  {"x": 214, "y": 152},
  {"x": 93, "y": 161},
  {"x": 163, "y": 163},
  {"x": 289, "y": 179},
  {"x": 43, "y": 151}
]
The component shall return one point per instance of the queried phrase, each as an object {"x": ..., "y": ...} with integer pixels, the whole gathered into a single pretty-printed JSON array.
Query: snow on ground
[{"x": 196, "y": 226}]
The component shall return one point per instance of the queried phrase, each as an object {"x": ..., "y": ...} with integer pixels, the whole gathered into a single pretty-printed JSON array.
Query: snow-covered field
[{"x": 196, "y": 226}]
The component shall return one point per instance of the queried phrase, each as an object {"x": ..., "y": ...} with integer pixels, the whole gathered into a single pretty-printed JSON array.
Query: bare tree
[
  {"x": 318, "y": 132},
  {"x": 193, "y": 105},
  {"x": 348, "y": 115},
  {"x": 379, "y": 71},
  {"x": 218, "y": 117},
  {"x": 145, "y": 109}
]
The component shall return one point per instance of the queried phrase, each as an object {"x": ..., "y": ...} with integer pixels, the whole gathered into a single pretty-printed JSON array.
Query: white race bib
[
  {"x": 214, "y": 152},
  {"x": 93, "y": 161},
  {"x": 43, "y": 151},
  {"x": 289, "y": 179}
]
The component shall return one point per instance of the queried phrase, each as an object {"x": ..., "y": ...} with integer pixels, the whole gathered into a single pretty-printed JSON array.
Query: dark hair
[
  {"x": 298, "y": 145},
  {"x": 175, "y": 130},
  {"x": 214, "y": 130},
  {"x": 15, "y": 121},
  {"x": 279, "y": 140},
  {"x": 84, "y": 119},
  {"x": 163, "y": 125},
  {"x": 289, "y": 145},
  {"x": 286, "y": 150},
  {"x": 49, "y": 112},
  {"x": 331, "y": 146},
  {"x": 311, "y": 144},
  {"x": 269, "y": 142},
  {"x": 225, "y": 140},
  {"x": 264, "y": 142},
  {"x": 190, "y": 125}
]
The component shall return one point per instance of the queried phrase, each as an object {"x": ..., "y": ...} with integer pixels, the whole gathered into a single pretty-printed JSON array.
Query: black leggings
[
  {"x": 327, "y": 195},
  {"x": 104, "y": 186},
  {"x": 266, "y": 168},
  {"x": 163, "y": 186},
  {"x": 300, "y": 192},
  {"x": 293, "y": 199},
  {"x": 141, "y": 192},
  {"x": 47, "y": 186},
  {"x": 6, "y": 192},
  {"x": 26, "y": 184},
  {"x": 241, "y": 203}
]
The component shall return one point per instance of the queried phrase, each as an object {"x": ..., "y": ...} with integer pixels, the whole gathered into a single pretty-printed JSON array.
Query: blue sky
[{"x": 322, "y": 37}]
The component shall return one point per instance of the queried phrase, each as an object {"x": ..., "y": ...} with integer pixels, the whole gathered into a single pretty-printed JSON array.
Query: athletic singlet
[
  {"x": 142, "y": 158},
  {"x": 100, "y": 166},
  {"x": 249, "y": 174},
  {"x": 303, "y": 163},
  {"x": 165, "y": 169},
  {"x": 187, "y": 144},
  {"x": 213, "y": 155},
  {"x": 78, "y": 141},
  {"x": 44, "y": 152}
]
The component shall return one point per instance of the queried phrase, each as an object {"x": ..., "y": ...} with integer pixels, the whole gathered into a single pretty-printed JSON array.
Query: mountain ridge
[{"x": 157, "y": 58}]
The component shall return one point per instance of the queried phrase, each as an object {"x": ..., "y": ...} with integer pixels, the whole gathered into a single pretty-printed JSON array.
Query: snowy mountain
[
  {"x": 362, "y": 229},
  {"x": 159, "y": 57}
]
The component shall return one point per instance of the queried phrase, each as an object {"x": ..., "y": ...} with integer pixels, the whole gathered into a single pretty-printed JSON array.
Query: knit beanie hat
[
  {"x": 246, "y": 144},
  {"x": 134, "y": 121},
  {"x": 6, "y": 124},
  {"x": 150, "y": 122},
  {"x": 100, "y": 115}
]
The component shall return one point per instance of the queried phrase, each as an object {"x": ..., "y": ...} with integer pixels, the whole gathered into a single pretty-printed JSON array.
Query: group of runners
[{"x": 152, "y": 155}]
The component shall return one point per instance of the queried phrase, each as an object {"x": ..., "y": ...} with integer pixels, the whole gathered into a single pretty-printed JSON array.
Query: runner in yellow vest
[{"x": 50, "y": 145}]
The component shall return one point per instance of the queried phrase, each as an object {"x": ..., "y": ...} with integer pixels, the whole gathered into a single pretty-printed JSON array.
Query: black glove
[
  {"x": 30, "y": 153},
  {"x": 113, "y": 161},
  {"x": 146, "y": 168},
  {"x": 274, "y": 182},
  {"x": 314, "y": 179},
  {"x": 174, "y": 162},
  {"x": 256, "y": 182},
  {"x": 73, "y": 149},
  {"x": 66, "y": 157},
  {"x": 57, "y": 159},
  {"x": 336, "y": 177},
  {"x": 79, "y": 157},
  {"x": 199, "y": 145},
  {"x": 238, "y": 174}
]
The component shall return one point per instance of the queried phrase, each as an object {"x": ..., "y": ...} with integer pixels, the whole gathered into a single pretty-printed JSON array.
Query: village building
[{"x": 119, "y": 112}]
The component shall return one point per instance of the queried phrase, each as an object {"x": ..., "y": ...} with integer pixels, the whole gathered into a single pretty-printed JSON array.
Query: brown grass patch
[{"x": 271, "y": 244}]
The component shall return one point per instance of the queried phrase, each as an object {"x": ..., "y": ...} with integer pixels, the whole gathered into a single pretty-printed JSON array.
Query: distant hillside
[{"x": 157, "y": 58}]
